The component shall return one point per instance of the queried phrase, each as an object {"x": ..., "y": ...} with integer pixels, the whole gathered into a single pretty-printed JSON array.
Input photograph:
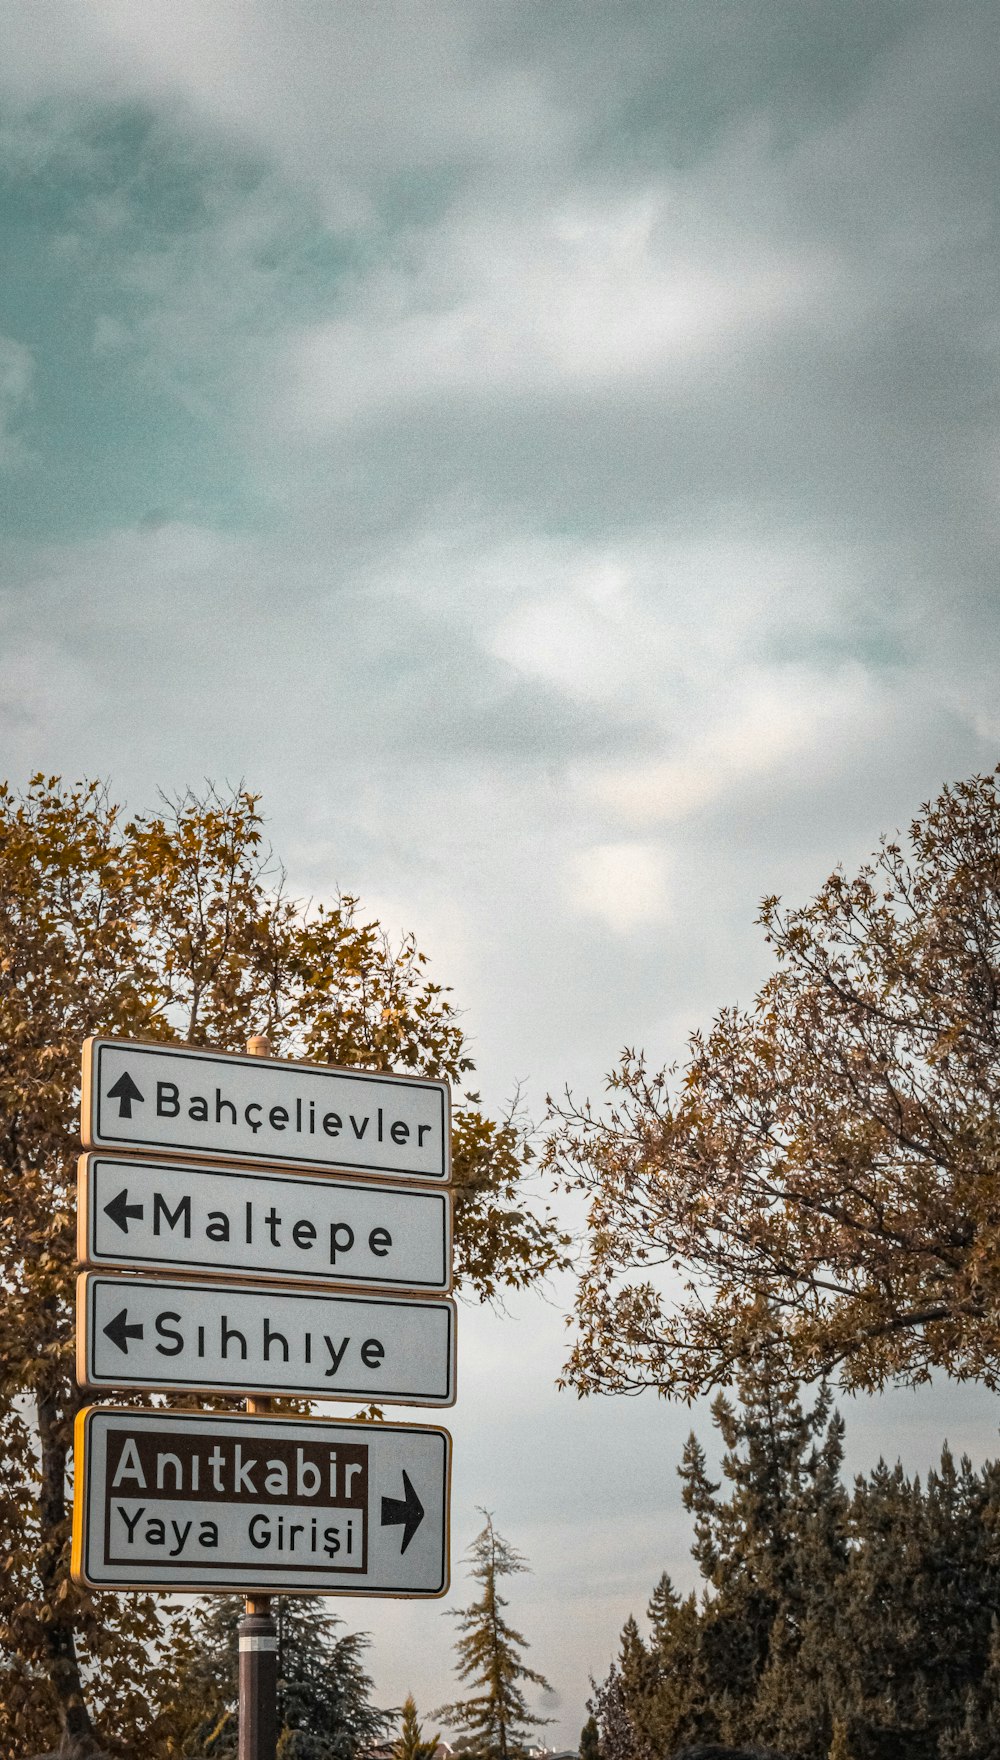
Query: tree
[
  {"x": 830, "y": 1625},
  {"x": 619, "y": 1736},
  {"x": 323, "y": 1699},
  {"x": 410, "y": 1743},
  {"x": 175, "y": 925},
  {"x": 739, "y": 1667},
  {"x": 497, "y": 1718},
  {"x": 590, "y": 1740},
  {"x": 823, "y": 1170}
]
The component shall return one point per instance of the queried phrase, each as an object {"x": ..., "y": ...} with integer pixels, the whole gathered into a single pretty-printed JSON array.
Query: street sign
[
  {"x": 188, "y": 1501},
  {"x": 224, "y": 1337},
  {"x": 181, "y": 1100},
  {"x": 172, "y": 1216}
]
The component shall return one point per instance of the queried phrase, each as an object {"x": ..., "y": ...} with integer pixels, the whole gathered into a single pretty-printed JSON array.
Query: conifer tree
[
  {"x": 590, "y": 1740},
  {"x": 410, "y": 1743},
  {"x": 860, "y": 1627},
  {"x": 323, "y": 1699},
  {"x": 744, "y": 1666},
  {"x": 765, "y": 1549},
  {"x": 497, "y": 1718},
  {"x": 977, "y": 1736}
]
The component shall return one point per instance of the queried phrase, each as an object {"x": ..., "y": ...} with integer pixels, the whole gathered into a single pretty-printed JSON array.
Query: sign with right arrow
[
  {"x": 253, "y": 1226},
  {"x": 189, "y": 1501}
]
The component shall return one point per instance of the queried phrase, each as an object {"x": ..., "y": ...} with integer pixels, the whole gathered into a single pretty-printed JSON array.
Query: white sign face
[
  {"x": 184, "y": 1101},
  {"x": 205, "y": 1500},
  {"x": 233, "y": 1338},
  {"x": 167, "y": 1216}
]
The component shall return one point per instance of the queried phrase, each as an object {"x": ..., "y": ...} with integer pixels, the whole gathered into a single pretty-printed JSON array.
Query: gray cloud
[{"x": 551, "y": 449}]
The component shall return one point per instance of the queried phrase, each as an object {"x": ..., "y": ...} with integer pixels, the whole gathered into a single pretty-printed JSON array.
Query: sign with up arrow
[
  {"x": 228, "y": 1337},
  {"x": 190, "y": 1501},
  {"x": 182, "y": 1100},
  {"x": 252, "y": 1227},
  {"x": 184, "y": 1216}
]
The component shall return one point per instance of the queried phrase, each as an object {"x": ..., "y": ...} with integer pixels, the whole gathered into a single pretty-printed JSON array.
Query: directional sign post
[
  {"x": 179, "y": 1100},
  {"x": 229, "y": 1338},
  {"x": 187, "y": 1501},
  {"x": 185, "y": 1185},
  {"x": 180, "y": 1216}
]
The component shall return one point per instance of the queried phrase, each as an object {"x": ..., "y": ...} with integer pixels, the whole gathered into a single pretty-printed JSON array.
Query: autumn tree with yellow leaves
[
  {"x": 170, "y": 926},
  {"x": 821, "y": 1177}
]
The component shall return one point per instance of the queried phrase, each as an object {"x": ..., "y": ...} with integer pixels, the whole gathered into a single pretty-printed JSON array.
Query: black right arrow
[
  {"x": 124, "y": 1091},
  {"x": 408, "y": 1509},
  {"x": 120, "y": 1210},
  {"x": 119, "y": 1332}
]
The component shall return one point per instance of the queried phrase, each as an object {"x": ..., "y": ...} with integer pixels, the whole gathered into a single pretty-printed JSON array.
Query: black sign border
[
  {"x": 240, "y": 1388},
  {"x": 85, "y": 1490},
  {"x": 249, "y": 1273}
]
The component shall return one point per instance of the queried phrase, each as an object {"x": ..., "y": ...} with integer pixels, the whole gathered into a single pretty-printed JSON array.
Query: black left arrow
[
  {"x": 120, "y": 1210},
  {"x": 125, "y": 1092},
  {"x": 407, "y": 1509},
  {"x": 119, "y": 1331}
]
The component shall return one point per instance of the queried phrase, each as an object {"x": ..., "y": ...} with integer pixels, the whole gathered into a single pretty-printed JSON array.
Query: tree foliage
[
  {"x": 590, "y": 1740},
  {"x": 411, "y": 1744},
  {"x": 833, "y": 1624},
  {"x": 497, "y": 1718},
  {"x": 324, "y": 1710},
  {"x": 173, "y": 925},
  {"x": 829, "y": 1156}
]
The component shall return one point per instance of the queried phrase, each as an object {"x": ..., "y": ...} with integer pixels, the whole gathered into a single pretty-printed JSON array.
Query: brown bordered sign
[
  {"x": 188, "y": 1101},
  {"x": 201, "y": 1501},
  {"x": 180, "y": 1217},
  {"x": 198, "y": 1336}
]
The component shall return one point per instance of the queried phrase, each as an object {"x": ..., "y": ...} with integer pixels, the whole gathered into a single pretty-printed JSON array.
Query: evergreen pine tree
[
  {"x": 323, "y": 1703},
  {"x": 768, "y": 1549},
  {"x": 861, "y": 1627},
  {"x": 977, "y": 1737},
  {"x": 497, "y": 1718},
  {"x": 410, "y": 1743},
  {"x": 590, "y": 1740}
]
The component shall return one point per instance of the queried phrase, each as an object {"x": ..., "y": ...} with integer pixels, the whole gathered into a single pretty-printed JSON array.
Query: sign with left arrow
[
  {"x": 219, "y": 1337},
  {"x": 177, "y": 1216},
  {"x": 189, "y": 1501}
]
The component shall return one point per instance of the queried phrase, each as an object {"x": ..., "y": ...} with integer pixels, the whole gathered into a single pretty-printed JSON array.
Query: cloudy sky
[{"x": 550, "y": 449}]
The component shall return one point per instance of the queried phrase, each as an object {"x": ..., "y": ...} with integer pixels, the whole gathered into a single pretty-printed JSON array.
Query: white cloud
[
  {"x": 594, "y": 292},
  {"x": 772, "y": 725},
  {"x": 574, "y": 638},
  {"x": 338, "y": 96},
  {"x": 624, "y": 884}
]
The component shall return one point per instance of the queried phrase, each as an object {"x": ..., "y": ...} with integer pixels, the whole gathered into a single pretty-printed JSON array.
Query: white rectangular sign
[
  {"x": 197, "y": 1501},
  {"x": 169, "y": 1216},
  {"x": 153, "y": 1332},
  {"x": 181, "y": 1100}
]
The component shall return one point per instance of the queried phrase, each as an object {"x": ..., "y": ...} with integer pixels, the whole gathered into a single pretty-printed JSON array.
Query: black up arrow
[
  {"x": 119, "y": 1332},
  {"x": 125, "y": 1092},
  {"x": 408, "y": 1509},
  {"x": 120, "y": 1210}
]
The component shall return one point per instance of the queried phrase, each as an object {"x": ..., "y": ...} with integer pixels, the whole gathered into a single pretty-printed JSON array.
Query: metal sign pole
[
  {"x": 258, "y": 1681},
  {"x": 258, "y": 1633}
]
